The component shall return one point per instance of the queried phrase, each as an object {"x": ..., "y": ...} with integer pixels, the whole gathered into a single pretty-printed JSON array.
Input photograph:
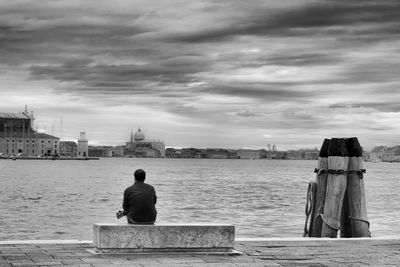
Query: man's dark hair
[{"x": 140, "y": 175}]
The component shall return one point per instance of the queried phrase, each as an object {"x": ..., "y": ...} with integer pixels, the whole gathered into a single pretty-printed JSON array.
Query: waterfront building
[
  {"x": 248, "y": 154},
  {"x": 173, "y": 153},
  {"x": 383, "y": 154},
  {"x": 391, "y": 154},
  {"x": 183, "y": 153},
  {"x": 19, "y": 138},
  {"x": 215, "y": 153},
  {"x": 303, "y": 154},
  {"x": 377, "y": 154},
  {"x": 232, "y": 154},
  {"x": 100, "y": 151},
  {"x": 311, "y": 154},
  {"x": 117, "y": 151},
  {"x": 201, "y": 153},
  {"x": 83, "y": 148},
  {"x": 68, "y": 149},
  {"x": 367, "y": 155},
  {"x": 294, "y": 154},
  {"x": 140, "y": 147},
  {"x": 219, "y": 153}
]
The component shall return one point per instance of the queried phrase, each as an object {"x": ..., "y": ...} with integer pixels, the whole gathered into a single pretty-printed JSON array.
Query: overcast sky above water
[{"x": 206, "y": 73}]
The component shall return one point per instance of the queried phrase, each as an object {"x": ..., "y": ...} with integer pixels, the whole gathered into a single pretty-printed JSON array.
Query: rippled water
[{"x": 62, "y": 199}]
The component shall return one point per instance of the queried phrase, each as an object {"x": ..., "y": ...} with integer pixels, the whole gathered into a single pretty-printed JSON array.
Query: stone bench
[{"x": 163, "y": 237}]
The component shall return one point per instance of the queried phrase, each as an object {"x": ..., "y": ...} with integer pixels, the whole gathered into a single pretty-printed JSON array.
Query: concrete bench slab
[{"x": 164, "y": 237}]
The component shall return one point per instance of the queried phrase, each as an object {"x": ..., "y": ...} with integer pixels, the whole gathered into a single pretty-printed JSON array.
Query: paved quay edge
[
  {"x": 256, "y": 252},
  {"x": 240, "y": 239}
]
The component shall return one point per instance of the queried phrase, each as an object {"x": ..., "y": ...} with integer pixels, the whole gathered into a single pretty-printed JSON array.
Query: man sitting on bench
[{"x": 139, "y": 201}]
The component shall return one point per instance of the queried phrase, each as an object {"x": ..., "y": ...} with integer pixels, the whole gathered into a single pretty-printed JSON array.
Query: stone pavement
[{"x": 256, "y": 252}]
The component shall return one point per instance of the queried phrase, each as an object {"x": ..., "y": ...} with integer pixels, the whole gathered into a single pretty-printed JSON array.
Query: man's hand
[{"x": 120, "y": 214}]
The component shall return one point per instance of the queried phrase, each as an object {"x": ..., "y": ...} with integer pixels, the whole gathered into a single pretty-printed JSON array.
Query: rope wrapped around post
[
  {"x": 310, "y": 203},
  {"x": 334, "y": 227},
  {"x": 359, "y": 172}
]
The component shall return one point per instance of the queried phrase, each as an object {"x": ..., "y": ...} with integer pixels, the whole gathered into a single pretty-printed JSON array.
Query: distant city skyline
[{"x": 229, "y": 74}]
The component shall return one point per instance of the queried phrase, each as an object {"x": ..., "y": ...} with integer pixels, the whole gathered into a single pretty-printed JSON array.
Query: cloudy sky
[{"x": 208, "y": 73}]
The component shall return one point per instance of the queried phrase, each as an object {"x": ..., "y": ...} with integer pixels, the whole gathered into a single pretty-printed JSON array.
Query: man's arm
[
  {"x": 125, "y": 203},
  {"x": 125, "y": 207},
  {"x": 155, "y": 196}
]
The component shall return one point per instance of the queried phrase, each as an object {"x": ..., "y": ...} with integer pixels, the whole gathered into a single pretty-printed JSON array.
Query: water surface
[{"x": 262, "y": 198}]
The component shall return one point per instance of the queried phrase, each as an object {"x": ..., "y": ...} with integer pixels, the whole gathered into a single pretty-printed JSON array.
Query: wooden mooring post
[
  {"x": 345, "y": 222},
  {"x": 338, "y": 162},
  {"x": 357, "y": 206},
  {"x": 337, "y": 196},
  {"x": 320, "y": 180}
]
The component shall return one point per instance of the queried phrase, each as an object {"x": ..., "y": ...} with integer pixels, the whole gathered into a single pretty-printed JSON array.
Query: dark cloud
[
  {"x": 285, "y": 58},
  {"x": 171, "y": 70},
  {"x": 305, "y": 59},
  {"x": 270, "y": 92},
  {"x": 344, "y": 106},
  {"x": 380, "y": 128},
  {"x": 373, "y": 106},
  {"x": 279, "y": 66},
  {"x": 54, "y": 43},
  {"x": 369, "y": 71},
  {"x": 333, "y": 13},
  {"x": 316, "y": 18},
  {"x": 247, "y": 113}
]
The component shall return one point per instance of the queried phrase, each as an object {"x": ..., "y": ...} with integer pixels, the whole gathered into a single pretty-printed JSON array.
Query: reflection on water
[{"x": 62, "y": 199}]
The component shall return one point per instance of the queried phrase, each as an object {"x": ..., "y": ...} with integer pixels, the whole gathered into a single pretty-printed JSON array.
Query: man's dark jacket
[{"x": 139, "y": 202}]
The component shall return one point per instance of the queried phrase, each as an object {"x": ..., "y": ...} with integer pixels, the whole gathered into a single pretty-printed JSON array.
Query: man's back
[{"x": 139, "y": 203}]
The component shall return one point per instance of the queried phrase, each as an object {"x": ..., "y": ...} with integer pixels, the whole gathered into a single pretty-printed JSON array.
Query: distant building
[
  {"x": 201, "y": 153},
  {"x": 302, "y": 154},
  {"x": 377, "y": 154},
  {"x": 190, "y": 153},
  {"x": 311, "y": 154},
  {"x": 294, "y": 154},
  {"x": 17, "y": 137},
  {"x": 248, "y": 154},
  {"x": 139, "y": 147},
  {"x": 83, "y": 148},
  {"x": 367, "y": 156},
  {"x": 100, "y": 151},
  {"x": 216, "y": 153},
  {"x": 391, "y": 154},
  {"x": 117, "y": 151},
  {"x": 173, "y": 153},
  {"x": 68, "y": 149}
]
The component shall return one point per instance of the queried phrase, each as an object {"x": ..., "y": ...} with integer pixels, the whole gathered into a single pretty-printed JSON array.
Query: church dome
[{"x": 139, "y": 136}]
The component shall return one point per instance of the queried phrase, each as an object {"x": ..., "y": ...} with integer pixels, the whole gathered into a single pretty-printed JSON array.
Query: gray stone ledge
[{"x": 164, "y": 236}]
